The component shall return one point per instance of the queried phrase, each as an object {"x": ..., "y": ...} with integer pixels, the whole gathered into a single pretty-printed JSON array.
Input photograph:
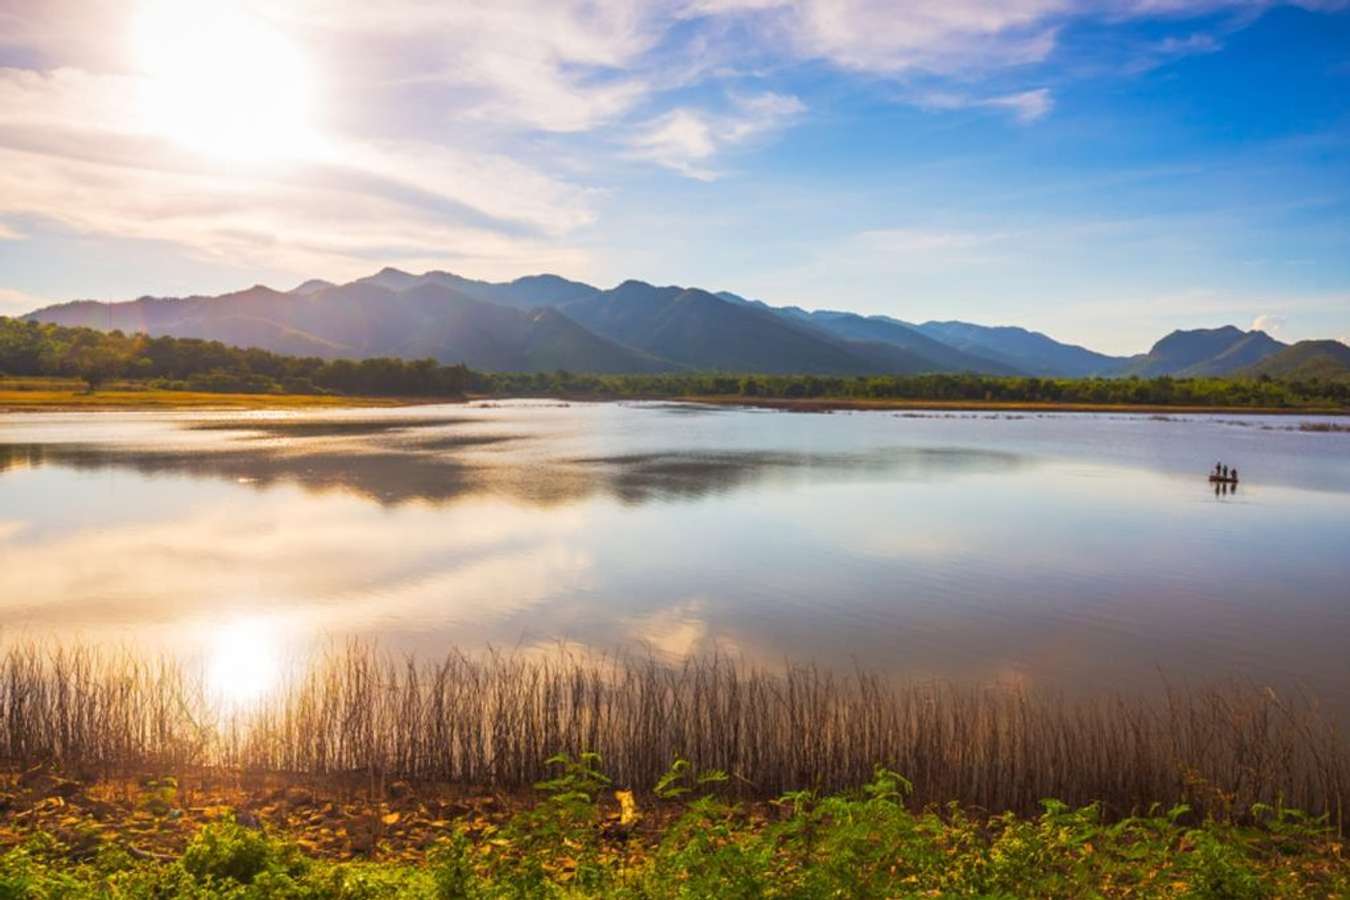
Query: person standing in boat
[
  {"x": 1217, "y": 467},
  {"x": 1232, "y": 475}
]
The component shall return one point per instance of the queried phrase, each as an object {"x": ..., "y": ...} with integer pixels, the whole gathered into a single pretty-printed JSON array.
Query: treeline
[
  {"x": 32, "y": 348},
  {"x": 1164, "y": 391},
  {"x": 97, "y": 357}
]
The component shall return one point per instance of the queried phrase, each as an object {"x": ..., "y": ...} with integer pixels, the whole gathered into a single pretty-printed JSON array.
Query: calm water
[{"x": 1072, "y": 552}]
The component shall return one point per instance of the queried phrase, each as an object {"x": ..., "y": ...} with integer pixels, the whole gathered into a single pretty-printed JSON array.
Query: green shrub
[{"x": 228, "y": 852}]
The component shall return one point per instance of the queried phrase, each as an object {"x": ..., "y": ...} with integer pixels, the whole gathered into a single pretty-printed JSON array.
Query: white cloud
[
  {"x": 531, "y": 61},
  {"x": 678, "y": 140},
  {"x": 441, "y": 127},
  {"x": 686, "y": 139},
  {"x": 881, "y": 36},
  {"x": 563, "y": 65},
  {"x": 1172, "y": 48},
  {"x": 1270, "y": 324},
  {"x": 1026, "y": 106},
  {"x": 75, "y": 149},
  {"x": 9, "y": 234}
]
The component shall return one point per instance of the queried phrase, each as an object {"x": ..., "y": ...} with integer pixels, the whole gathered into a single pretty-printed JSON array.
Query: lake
[{"x": 1069, "y": 552}]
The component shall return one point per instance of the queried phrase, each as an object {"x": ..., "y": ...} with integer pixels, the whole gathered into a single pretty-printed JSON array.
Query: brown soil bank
[{"x": 157, "y": 815}]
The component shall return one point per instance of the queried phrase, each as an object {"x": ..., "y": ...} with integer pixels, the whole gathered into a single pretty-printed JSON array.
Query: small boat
[{"x": 1220, "y": 479}]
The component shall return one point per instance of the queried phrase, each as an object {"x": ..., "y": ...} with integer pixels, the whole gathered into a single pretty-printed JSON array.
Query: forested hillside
[{"x": 32, "y": 348}]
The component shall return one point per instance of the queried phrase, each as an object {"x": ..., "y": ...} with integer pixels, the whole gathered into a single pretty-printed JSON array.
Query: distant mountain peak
[
  {"x": 391, "y": 278},
  {"x": 1198, "y": 352},
  {"x": 312, "y": 286},
  {"x": 1228, "y": 331}
]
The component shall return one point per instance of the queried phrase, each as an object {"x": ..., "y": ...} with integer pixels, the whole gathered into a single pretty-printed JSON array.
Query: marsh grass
[
  {"x": 44, "y": 393},
  {"x": 493, "y": 720}
]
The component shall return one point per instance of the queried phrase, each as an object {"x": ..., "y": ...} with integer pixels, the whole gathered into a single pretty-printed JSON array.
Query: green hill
[
  {"x": 1204, "y": 352},
  {"x": 1306, "y": 360}
]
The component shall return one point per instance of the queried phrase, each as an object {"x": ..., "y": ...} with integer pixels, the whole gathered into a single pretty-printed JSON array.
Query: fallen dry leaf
[{"x": 628, "y": 808}]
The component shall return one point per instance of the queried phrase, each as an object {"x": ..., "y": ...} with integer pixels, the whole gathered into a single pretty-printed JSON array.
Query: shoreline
[
  {"x": 21, "y": 401},
  {"x": 123, "y": 400},
  {"x": 827, "y": 404}
]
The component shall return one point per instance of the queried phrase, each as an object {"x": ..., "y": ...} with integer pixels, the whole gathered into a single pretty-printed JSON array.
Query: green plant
[
  {"x": 681, "y": 778},
  {"x": 225, "y": 852}
]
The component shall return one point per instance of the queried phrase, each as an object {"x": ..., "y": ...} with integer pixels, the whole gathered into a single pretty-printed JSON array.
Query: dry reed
[{"x": 492, "y": 720}]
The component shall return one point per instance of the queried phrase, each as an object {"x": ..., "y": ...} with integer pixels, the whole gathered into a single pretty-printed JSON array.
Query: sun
[
  {"x": 222, "y": 82},
  {"x": 243, "y": 662}
]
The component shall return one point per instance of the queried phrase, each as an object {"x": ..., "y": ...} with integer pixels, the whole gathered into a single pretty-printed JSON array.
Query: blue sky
[{"x": 1104, "y": 172}]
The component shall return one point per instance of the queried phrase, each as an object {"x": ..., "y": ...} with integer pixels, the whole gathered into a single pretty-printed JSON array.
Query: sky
[{"x": 1104, "y": 171}]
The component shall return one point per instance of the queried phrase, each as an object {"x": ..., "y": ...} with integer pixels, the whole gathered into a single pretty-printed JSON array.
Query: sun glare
[
  {"x": 243, "y": 662},
  {"x": 222, "y": 82}
]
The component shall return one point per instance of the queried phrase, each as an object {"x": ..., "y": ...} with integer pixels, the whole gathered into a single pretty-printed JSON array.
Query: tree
[{"x": 96, "y": 364}]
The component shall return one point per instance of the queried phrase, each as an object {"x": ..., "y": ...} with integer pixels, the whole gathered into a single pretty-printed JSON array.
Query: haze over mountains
[{"x": 545, "y": 322}]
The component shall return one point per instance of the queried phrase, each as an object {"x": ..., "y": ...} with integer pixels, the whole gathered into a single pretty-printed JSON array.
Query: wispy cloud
[
  {"x": 1025, "y": 106},
  {"x": 891, "y": 38},
  {"x": 1172, "y": 47},
  {"x": 686, "y": 140},
  {"x": 566, "y": 65}
]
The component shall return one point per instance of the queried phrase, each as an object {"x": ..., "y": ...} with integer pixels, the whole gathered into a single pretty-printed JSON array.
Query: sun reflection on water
[{"x": 243, "y": 662}]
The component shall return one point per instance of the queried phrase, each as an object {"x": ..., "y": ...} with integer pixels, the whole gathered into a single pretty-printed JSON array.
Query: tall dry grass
[{"x": 492, "y": 720}]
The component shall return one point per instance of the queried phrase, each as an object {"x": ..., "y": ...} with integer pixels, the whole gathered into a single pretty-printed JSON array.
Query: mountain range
[{"x": 545, "y": 322}]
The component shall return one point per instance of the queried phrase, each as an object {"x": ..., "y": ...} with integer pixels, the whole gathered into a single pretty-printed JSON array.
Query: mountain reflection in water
[
  {"x": 398, "y": 462},
  {"x": 1076, "y": 553}
]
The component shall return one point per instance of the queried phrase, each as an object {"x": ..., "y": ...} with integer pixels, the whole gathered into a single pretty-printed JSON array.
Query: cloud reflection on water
[
  {"x": 300, "y": 521},
  {"x": 1071, "y": 553}
]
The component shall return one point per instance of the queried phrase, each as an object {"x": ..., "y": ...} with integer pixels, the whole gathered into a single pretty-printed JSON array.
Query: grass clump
[{"x": 865, "y": 842}]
